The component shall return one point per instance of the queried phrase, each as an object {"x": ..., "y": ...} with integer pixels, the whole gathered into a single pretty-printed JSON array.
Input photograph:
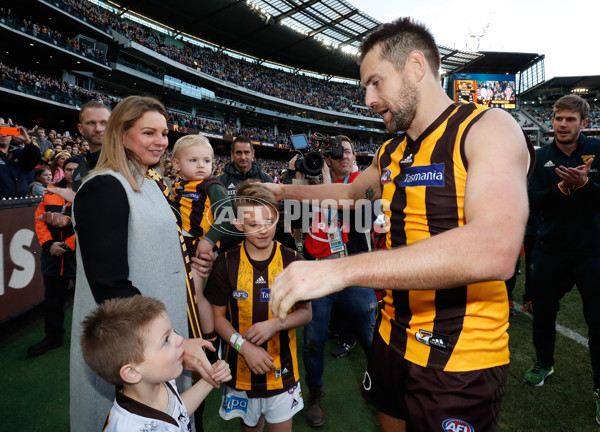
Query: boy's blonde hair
[
  {"x": 252, "y": 192},
  {"x": 189, "y": 141},
  {"x": 114, "y": 334}
]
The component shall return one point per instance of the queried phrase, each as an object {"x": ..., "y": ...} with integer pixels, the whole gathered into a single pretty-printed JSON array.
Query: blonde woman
[{"x": 128, "y": 243}]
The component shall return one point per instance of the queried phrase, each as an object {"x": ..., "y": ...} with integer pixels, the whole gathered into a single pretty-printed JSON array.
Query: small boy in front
[
  {"x": 262, "y": 351},
  {"x": 200, "y": 199},
  {"x": 131, "y": 343}
]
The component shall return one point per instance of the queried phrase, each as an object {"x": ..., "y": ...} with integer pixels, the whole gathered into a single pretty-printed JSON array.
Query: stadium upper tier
[{"x": 49, "y": 88}]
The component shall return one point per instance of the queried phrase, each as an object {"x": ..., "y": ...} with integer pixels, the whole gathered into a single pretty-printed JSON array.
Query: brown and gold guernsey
[
  {"x": 192, "y": 200},
  {"x": 245, "y": 288},
  {"x": 423, "y": 183}
]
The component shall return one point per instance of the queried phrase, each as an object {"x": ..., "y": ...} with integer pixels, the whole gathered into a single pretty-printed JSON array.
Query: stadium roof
[
  {"x": 305, "y": 34},
  {"x": 494, "y": 62},
  {"x": 560, "y": 86}
]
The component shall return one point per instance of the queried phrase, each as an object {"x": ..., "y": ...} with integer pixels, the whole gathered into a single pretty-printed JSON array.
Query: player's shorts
[
  {"x": 430, "y": 399},
  {"x": 276, "y": 409}
]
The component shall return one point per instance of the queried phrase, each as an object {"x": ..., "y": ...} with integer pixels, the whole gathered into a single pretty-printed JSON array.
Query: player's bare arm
[
  {"x": 365, "y": 186},
  {"x": 485, "y": 248}
]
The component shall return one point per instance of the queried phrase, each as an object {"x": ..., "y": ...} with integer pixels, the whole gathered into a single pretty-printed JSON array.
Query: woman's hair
[
  {"x": 114, "y": 156},
  {"x": 57, "y": 156}
]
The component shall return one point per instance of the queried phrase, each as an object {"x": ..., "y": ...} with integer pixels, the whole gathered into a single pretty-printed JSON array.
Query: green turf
[{"x": 34, "y": 395}]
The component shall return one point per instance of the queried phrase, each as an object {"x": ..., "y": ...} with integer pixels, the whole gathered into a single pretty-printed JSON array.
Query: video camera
[{"x": 310, "y": 161}]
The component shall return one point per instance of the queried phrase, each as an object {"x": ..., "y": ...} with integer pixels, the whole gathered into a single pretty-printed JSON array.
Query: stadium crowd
[
  {"x": 305, "y": 90},
  {"x": 52, "y": 36}
]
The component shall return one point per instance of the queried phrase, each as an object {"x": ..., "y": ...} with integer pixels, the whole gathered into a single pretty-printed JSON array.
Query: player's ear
[
  {"x": 130, "y": 373},
  {"x": 416, "y": 65}
]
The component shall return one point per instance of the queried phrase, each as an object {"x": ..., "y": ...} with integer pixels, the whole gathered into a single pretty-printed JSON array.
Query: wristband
[
  {"x": 234, "y": 338},
  {"x": 238, "y": 344}
]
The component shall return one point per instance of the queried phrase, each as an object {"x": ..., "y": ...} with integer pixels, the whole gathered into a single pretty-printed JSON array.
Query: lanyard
[{"x": 329, "y": 212}]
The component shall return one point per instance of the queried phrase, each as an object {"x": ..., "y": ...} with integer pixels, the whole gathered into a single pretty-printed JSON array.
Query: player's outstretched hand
[{"x": 304, "y": 280}]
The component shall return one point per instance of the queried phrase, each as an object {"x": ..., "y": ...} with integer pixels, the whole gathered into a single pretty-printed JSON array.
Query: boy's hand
[
  {"x": 262, "y": 331},
  {"x": 222, "y": 372},
  {"x": 259, "y": 361}
]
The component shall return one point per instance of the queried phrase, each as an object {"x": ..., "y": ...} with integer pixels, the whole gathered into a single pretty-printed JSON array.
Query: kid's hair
[
  {"x": 189, "y": 141},
  {"x": 251, "y": 193},
  {"x": 114, "y": 334},
  {"x": 40, "y": 170}
]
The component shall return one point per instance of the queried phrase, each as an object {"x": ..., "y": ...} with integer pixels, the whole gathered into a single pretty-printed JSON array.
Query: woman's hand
[{"x": 203, "y": 264}]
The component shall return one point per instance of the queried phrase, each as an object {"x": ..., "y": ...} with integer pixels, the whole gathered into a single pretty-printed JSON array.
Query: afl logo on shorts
[
  {"x": 386, "y": 176},
  {"x": 456, "y": 425}
]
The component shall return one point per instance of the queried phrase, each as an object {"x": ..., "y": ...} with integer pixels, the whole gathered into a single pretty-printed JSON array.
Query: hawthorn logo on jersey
[
  {"x": 427, "y": 175},
  {"x": 456, "y": 425},
  {"x": 194, "y": 196},
  {"x": 386, "y": 176},
  {"x": 265, "y": 294},
  {"x": 231, "y": 403},
  {"x": 585, "y": 158},
  {"x": 435, "y": 340},
  {"x": 239, "y": 295}
]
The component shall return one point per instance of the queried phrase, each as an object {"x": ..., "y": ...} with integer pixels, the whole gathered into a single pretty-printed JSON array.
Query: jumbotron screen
[{"x": 493, "y": 90}]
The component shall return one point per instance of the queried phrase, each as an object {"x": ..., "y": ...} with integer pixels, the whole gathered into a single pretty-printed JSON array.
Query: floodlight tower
[{"x": 478, "y": 32}]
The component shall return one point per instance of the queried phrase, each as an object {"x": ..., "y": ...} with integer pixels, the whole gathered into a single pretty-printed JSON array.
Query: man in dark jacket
[
  {"x": 18, "y": 157},
  {"x": 242, "y": 166},
  {"x": 565, "y": 190},
  {"x": 92, "y": 122},
  {"x": 57, "y": 260}
]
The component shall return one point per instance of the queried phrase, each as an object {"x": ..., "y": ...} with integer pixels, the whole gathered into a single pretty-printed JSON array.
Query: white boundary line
[{"x": 565, "y": 331}]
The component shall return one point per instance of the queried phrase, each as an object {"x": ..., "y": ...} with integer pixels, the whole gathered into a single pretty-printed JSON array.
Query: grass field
[{"x": 34, "y": 395}]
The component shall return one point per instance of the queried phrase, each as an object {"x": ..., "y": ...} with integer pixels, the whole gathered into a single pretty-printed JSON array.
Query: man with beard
[
  {"x": 565, "y": 190},
  {"x": 454, "y": 192},
  {"x": 92, "y": 122}
]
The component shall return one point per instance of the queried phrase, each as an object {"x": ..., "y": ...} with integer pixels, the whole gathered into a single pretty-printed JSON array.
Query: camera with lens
[{"x": 310, "y": 161}]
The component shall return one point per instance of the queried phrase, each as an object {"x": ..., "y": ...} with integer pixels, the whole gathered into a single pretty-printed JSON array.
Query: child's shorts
[{"x": 276, "y": 409}]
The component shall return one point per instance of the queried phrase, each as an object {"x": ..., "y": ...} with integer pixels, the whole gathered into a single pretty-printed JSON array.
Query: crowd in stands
[
  {"x": 544, "y": 115},
  {"x": 301, "y": 89},
  {"x": 52, "y": 36},
  {"x": 51, "y": 88}
]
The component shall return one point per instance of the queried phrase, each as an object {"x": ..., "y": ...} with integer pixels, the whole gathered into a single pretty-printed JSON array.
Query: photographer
[
  {"x": 332, "y": 236},
  {"x": 18, "y": 157}
]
